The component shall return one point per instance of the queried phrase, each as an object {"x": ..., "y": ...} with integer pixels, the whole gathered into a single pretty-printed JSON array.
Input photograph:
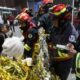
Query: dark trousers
[
  {"x": 62, "y": 68},
  {"x": 12, "y": 26}
]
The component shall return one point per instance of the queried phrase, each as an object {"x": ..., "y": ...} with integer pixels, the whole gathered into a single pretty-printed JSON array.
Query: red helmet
[
  {"x": 58, "y": 9},
  {"x": 61, "y": 11},
  {"x": 23, "y": 16},
  {"x": 28, "y": 11}
]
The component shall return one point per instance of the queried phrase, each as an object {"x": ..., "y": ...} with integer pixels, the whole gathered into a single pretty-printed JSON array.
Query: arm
[{"x": 70, "y": 53}]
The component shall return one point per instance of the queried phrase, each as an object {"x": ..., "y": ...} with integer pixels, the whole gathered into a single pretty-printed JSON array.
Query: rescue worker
[
  {"x": 28, "y": 11},
  {"x": 77, "y": 69},
  {"x": 77, "y": 45},
  {"x": 29, "y": 32},
  {"x": 44, "y": 8},
  {"x": 76, "y": 66},
  {"x": 57, "y": 24}
]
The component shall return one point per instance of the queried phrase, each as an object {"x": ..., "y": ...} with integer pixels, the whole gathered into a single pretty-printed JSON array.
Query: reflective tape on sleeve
[
  {"x": 27, "y": 47},
  {"x": 78, "y": 60},
  {"x": 78, "y": 65}
]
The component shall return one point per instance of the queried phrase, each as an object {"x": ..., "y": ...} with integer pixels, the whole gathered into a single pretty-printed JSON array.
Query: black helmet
[{"x": 47, "y": 6}]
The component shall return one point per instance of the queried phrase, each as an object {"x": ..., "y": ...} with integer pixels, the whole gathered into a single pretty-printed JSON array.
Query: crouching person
[{"x": 13, "y": 48}]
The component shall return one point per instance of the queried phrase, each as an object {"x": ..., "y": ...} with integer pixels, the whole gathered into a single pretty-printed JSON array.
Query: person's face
[
  {"x": 56, "y": 23},
  {"x": 4, "y": 29},
  {"x": 22, "y": 24}
]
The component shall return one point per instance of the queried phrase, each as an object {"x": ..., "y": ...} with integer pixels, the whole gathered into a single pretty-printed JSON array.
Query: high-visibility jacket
[{"x": 78, "y": 65}]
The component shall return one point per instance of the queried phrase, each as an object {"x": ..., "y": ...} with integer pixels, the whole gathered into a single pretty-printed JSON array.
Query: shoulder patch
[
  {"x": 30, "y": 36},
  {"x": 72, "y": 38}
]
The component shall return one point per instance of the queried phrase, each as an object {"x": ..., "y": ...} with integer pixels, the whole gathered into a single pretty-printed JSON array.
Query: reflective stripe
[
  {"x": 27, "y": 47},
  {"x": 78, "y": 60},
  {"x": 78, "y": 64},
  {"x": 58, "y": 13}
]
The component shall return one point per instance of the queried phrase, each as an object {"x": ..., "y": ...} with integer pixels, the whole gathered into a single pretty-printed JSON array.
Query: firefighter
[
  {"x": 28, "y": 11},
  {"x": 58, "y": 24},
  {"x": 76, "y": 66},
  {"x": 43, "y": 9},
  {"x": 29, "y": 32},
  {"x": 77, "y": 69}
]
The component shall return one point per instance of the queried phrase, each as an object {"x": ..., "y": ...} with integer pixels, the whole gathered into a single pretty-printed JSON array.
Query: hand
[
  {"x": 70, "y": 46},
  {"x": 71, "y": 49}
]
